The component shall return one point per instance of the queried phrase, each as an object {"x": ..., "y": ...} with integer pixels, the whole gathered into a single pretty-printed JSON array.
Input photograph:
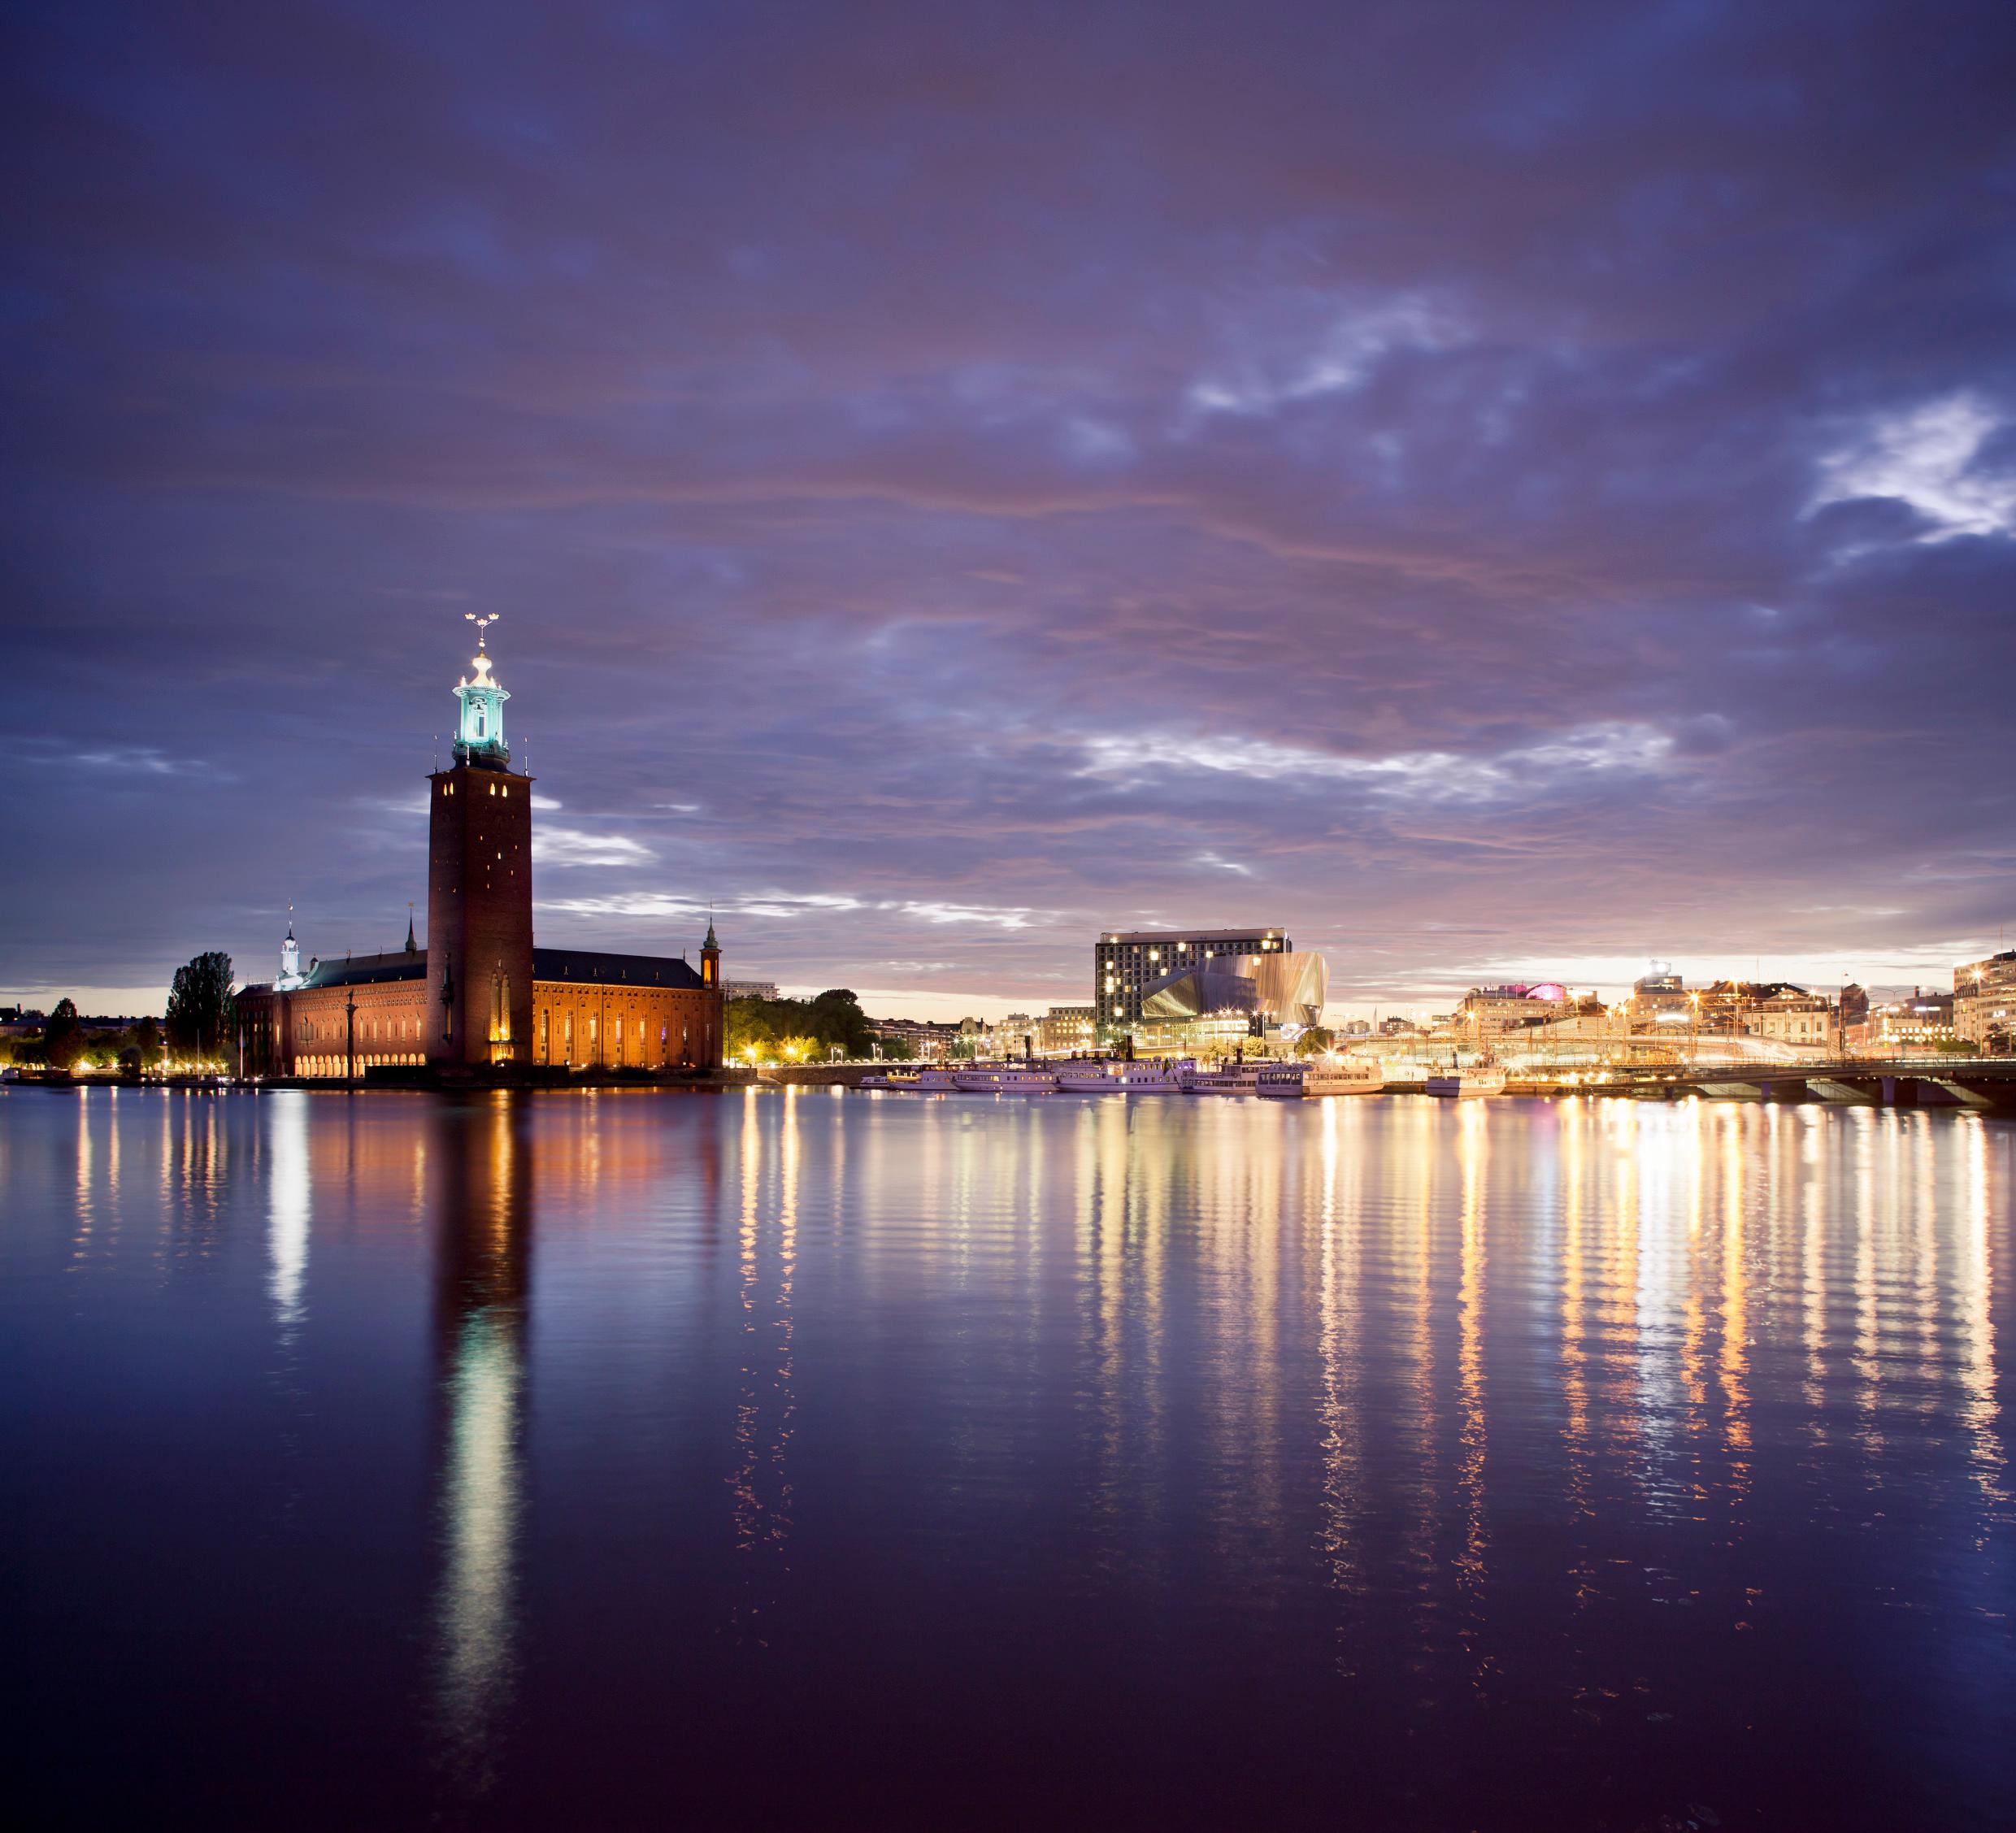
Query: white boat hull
[
  {"x": 1366, "y": 1078},
  {"x": 1468, "y": 1082},
  {"x": 1246, "y": 1079},
  {"x": 1120, "y": 1079},
  {"x": 1005, "y": 1082}
]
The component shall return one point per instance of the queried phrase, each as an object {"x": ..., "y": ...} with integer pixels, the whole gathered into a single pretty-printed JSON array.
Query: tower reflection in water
[{"x": 481, "y": 1202}]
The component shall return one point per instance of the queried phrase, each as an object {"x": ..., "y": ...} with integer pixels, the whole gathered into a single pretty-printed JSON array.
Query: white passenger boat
[
  {"x": 1119, "y": 1077},
  {"x": 1344, "y": 1076},
  {"x": 1245, "y": 1079},
  {"x": 1486, "y": 1076},
  {"x": 1012, "y": 1079},
  {"x": 937, "y": 1077},
  {"x": 893, "y": 1078}
]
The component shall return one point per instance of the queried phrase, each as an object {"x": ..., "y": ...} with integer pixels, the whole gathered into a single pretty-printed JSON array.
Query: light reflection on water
[
  {"x": 483, "y": 1218},
  {"x": 1482, "y": 1463}
]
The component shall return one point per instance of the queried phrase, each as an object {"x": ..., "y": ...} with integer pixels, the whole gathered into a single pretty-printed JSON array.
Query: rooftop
[
  {"x": 365, "y": 970},
  {"x": 1179, "y": 935},
  {"x": 613, "y": 970}
]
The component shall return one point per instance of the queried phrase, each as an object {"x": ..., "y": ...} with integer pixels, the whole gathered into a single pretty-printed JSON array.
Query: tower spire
[
  {"x": 479, "y": 723},
  {"x": 289, "y": 955},
  {"x": 410, "y": 947},
  {"x": 710, "y": 955}
]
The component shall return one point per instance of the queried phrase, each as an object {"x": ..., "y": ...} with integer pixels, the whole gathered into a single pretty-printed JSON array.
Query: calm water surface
[{"x": 593, "y": 1461}]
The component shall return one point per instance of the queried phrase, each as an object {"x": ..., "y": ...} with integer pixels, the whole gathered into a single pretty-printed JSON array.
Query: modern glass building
[
  {"x": 1126, "y": 963},
  {"x": 1231, "y": 1003}
]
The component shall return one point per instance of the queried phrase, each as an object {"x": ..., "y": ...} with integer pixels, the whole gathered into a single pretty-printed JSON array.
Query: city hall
[{"x": 479, "y": 995}]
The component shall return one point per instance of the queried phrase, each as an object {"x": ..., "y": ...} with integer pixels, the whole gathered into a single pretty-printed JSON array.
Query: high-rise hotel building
[{"x": 1124, "y": 962}]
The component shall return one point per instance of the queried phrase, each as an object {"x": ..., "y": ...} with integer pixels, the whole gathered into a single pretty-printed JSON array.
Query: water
[{"x": 628, "y": 1459}]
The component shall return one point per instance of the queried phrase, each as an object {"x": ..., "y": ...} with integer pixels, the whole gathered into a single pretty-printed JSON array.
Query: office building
[
  {"x": 1984, "y": 1002},
  {"x": 1066, "y": 1031}
]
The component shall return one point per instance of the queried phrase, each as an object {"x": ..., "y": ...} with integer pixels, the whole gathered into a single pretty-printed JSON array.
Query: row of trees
[
  {"x": 62, "y": 1043},
  {"x": 801, "y": 1030},
  {"x": 199, "y": 1026}
]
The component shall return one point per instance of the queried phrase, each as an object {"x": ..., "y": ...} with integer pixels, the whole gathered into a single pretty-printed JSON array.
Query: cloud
[
  {"x": 1928, "y": 457},
  {"x": 1514, "y": 490},
  {"x": 789, "y": 906},
  {"x": 1426, "y": 775},
  {"x": 565, "y": 847},
  {"x": 128, "y": 761}
]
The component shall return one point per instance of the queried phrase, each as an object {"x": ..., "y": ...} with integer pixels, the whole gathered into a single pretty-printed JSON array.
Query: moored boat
[
  {"x": 1011, "y": 1079},
  {"x": 1119, "y": 1076},
  {"x": 1344, "y": 1076},
  {"x": 1245, "y": 1079},
  {"x": 1486, "y": 1076}
]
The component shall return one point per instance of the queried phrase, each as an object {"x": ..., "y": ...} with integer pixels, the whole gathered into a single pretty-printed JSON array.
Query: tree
[
  {"x": 1314, "y": 1040},
  {"x": 63, "y": 1037},
  {"x": 147, "y": 1040},
  {"x": 798, "y": 1029},
  {"x": 201, "y": 1007},
  {"x": 897, "y": 1049},
  {"x": 837, "y": 1018}
]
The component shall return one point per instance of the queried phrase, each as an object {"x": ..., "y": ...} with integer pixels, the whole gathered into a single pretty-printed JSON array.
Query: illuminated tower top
[
  {"x": 289, "y": 955},
  {"x": 480, "y": 729}
]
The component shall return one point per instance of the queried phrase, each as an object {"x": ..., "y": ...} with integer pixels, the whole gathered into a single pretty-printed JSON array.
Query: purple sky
[{"x": 1494, "y": 489}]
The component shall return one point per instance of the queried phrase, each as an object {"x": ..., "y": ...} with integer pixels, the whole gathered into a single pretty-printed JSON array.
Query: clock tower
[{"x": 478, "y": 885}]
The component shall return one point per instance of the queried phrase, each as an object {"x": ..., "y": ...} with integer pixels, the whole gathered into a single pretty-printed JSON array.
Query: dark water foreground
[{"x": 818, "y": 1459}]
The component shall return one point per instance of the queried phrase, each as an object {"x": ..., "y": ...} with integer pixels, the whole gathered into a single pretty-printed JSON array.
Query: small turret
[
  {"x": 711, "y": 957},
  {"x": 290, "y": 954},
  {"x": 411, "y": 948}
]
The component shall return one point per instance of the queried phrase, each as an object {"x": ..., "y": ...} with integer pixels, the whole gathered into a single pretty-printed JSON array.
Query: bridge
[{"x": 1985, "y": 1083}]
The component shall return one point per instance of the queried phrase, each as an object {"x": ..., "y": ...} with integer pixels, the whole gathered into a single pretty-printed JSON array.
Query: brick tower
[{"x": 479, "y": 886}]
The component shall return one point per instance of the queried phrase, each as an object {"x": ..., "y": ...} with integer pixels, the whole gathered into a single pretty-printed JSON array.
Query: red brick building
[{"x": 479, "y": 992}]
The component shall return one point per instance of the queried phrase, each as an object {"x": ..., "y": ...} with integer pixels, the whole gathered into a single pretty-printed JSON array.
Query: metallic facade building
[
  {"x": 1268, "y": 989},
  {"x": 1124, "y": 964}
]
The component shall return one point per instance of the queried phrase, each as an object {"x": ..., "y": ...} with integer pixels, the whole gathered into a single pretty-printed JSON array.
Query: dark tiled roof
[
  {"x": 594, "y": 968},
  {"x": 365, "y": 970}
]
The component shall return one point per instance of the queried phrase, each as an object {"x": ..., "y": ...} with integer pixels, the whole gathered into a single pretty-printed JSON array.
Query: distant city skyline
[
  {"x": 1439, "y": 995},
  {"x": 1526, "y": 512}
]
